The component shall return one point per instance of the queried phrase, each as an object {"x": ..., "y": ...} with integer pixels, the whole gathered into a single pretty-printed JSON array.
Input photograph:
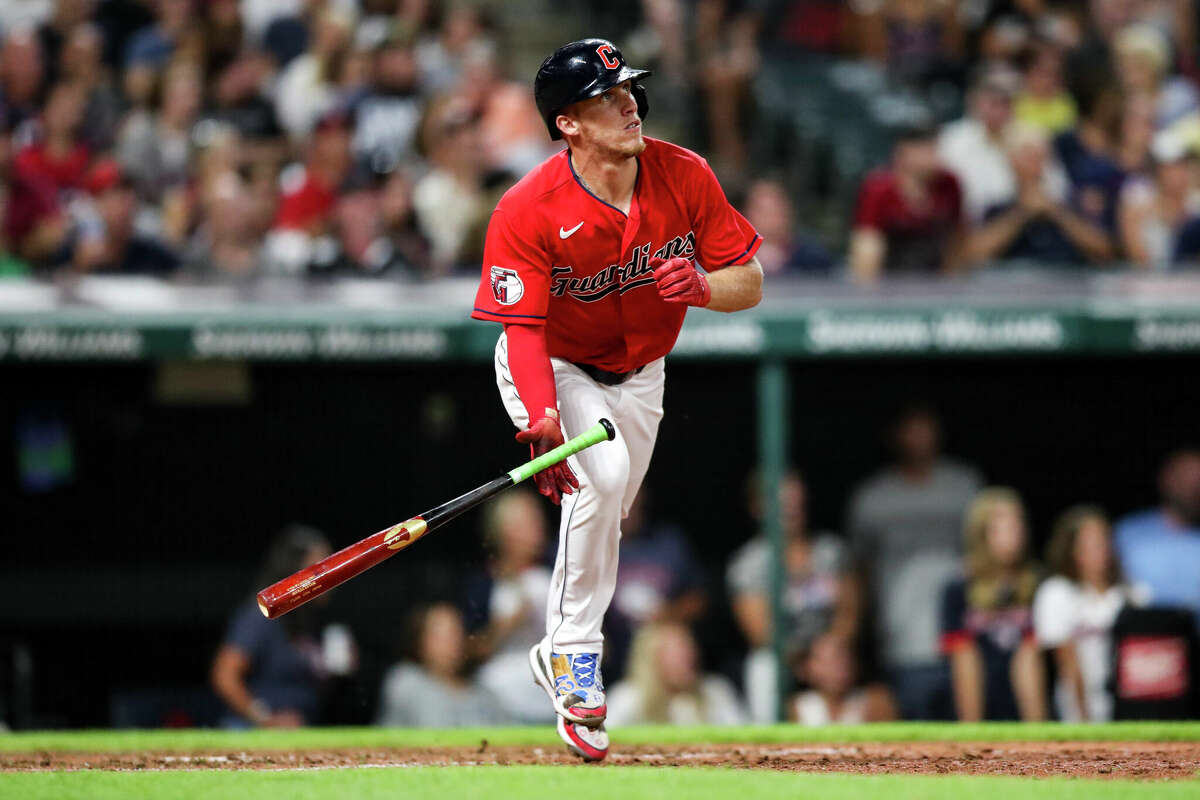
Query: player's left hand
[
  {"x": 680, "y": 282},
  {"x": 543, "y": 436}
]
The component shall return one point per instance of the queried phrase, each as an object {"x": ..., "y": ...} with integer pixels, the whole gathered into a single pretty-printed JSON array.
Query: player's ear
[{"x": 566, "y": 125}]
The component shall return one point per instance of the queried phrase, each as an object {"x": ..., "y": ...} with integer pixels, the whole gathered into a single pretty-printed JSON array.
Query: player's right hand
[{"x": 543, "y": 436}]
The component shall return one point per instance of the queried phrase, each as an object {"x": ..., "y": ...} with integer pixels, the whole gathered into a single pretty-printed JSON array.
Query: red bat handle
[{"x": 282, "y": 596}]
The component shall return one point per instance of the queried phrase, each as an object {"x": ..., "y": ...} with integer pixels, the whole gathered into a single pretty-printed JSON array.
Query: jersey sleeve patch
[
  {"x": 515, "y": 281},
  {"x": 507, "y": 287}
]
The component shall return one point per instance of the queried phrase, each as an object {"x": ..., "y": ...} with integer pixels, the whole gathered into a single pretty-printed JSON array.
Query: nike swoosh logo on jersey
[{"x": 563, "y": 233}]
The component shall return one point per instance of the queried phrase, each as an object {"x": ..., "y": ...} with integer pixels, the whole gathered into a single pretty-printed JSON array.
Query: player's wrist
[{"x": 705, "y": 291}]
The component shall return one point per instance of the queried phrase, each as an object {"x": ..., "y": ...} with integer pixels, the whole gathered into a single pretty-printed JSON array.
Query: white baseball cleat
[
  {"x": 573, "y": 683},
  {"x": 590, "y": 744}
]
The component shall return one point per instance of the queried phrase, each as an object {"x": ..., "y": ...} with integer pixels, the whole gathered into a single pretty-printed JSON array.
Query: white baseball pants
[{"x": 610, "y": 474}]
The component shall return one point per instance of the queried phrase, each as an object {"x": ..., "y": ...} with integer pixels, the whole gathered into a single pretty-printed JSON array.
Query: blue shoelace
[{"x": 584, "y": 667}]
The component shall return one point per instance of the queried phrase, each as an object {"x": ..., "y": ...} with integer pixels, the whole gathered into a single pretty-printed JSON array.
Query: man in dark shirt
[
  {"x": 387, "y": 117},
  {"x": 909, "y": 217},
  {"x": 1035, "y": 226},
  {"x": 1087, "y": 154},
  {"x": 109, "y": 243}
]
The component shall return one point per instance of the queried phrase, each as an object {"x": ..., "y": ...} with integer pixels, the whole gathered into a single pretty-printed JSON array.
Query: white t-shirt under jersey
[{"x": 1064, "y": 611}]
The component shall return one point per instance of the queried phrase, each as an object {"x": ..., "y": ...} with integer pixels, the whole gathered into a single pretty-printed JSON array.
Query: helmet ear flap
[{"x": 643, "y": 104}]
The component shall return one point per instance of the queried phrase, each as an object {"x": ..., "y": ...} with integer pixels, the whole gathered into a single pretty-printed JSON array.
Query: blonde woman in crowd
[
  {"x": 665, "y": 684},
  {"x": 1074, "y": 611},
  {"x": 987, "y": 617}
]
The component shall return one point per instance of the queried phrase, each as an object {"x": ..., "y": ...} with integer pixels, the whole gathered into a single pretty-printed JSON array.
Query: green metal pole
[{"x": 772, "y": 454}]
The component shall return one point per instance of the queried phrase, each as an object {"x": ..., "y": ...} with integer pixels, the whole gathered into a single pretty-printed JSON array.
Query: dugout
[{"x": 152, "y": 454}]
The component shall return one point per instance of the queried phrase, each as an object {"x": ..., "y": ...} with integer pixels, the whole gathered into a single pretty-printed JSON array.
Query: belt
[{"x": 605, "y": 377}]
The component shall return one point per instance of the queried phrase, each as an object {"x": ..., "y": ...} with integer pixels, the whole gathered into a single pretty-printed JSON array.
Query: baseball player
[{"x": 590, "y": 263}]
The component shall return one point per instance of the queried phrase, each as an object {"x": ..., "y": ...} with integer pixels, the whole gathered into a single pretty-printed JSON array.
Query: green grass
[
  {"x": 192, "y": 740},
  {"x": 625, "y": 783}
]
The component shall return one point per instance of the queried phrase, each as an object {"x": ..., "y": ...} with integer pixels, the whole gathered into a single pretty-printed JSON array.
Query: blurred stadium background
[{"x": 240, "y": 241}]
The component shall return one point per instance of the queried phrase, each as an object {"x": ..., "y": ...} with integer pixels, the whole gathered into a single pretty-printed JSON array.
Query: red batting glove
[
  {"x": 542, "y": 437},
  {"x": 679, "y": 282}
]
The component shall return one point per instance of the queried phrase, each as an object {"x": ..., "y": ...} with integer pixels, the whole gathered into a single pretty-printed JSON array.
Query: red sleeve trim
[{"x": 955, "y": 640}]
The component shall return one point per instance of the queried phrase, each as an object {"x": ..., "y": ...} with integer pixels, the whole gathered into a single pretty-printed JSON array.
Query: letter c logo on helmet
[
  {"x": 583, "y": 69},
  {"x": 605, "y": 53}
]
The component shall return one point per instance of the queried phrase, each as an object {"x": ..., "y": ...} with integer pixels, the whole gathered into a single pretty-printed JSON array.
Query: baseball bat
[{"x": 295, "y": 590}]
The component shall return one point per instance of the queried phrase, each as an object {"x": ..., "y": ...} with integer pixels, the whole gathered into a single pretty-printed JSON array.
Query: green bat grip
[{"x": 600, "y": 432}]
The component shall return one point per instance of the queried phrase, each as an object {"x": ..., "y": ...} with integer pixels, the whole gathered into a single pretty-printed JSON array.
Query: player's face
[{"x": 609, "y": 122}]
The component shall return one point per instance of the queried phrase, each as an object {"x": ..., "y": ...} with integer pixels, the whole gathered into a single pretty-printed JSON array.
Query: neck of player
[{"x": 609, "y": 176}]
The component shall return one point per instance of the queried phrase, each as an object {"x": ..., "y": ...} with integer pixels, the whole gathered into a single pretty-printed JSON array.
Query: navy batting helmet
[{"x": 580, "y": 70}]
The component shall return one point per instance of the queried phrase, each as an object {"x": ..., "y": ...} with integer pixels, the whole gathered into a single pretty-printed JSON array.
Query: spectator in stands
[
  {"x": 81, "y": 62},
  {"x": 830, "y": 671},
  {"x": 1089, "y": 153},
  {"x": 307, "y": 87},
  {"x": 1003, "y": 29},
  {"x": 658, "y": 580},
  {"x": 114, "y": 245},
  {"x": 905, "y": 526},
  {"x": 920, "y": 40},
  {"x": 1137, "y": 136},
  {"x": 821, "y": 594},
  {"x": 269, "y": 673},
  {"x": 816, "y": 26},
  {"x": 388, "y": 116},
  {"x": 432, "y": 691},
  {"x": 355, "y": 228},
  {"x": 1044, "y": 100},
  {"x": 308, "y": 197},
  {"x": 1159, "y": 214},
  {"x": 505, "y": 605},
  {"x": 452, "y": 208},
  {"x": 66, "y": 16},
  {"x": 1160, "y": 548},
  {"x": 726, "y": 49},
  {"x": 512, "y": 133},
  {"x": 22, "y": 72},
  {"x": 231, "y": 215},
  {"x": 148, "y": 51},
  {"x": 43, "y": 173},
  {"x": 910, "y": 216},
  {"x": 1034, "y": 227},
  {"x": 1093, "y": 54},
  {"x": 406, "y": 241},
  {"x": 973, "y": 148},
  {"x": 223, "y": 34},
  {"x": 154, "y": 147},
  {"x": 987, "y": 617},
  {"x": 440, "y": 55},
  {"x": 1143, "y": 60},
  {"x": 785, "y": 248},
  {"x": 237, "y": 101},
  {"x": 666, "y": 685},
  {"x": 259, "y": 15},
  {"x": 1074, "y": 611}
]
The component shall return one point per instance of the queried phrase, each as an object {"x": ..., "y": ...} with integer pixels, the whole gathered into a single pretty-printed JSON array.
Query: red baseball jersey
[{"x": 557, "y": 255}]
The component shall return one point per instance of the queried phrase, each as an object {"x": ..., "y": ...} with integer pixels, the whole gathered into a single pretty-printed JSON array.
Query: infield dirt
[{"x": 1137, "y": 760}]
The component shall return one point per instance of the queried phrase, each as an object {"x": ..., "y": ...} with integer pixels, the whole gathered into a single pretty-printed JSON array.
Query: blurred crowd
[
  {"x": 1078, "y": 144},
  {"x": 237, "y": 137},
  {"x": 368, "y": 137},
  {"x": 931, "y": 604}
]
